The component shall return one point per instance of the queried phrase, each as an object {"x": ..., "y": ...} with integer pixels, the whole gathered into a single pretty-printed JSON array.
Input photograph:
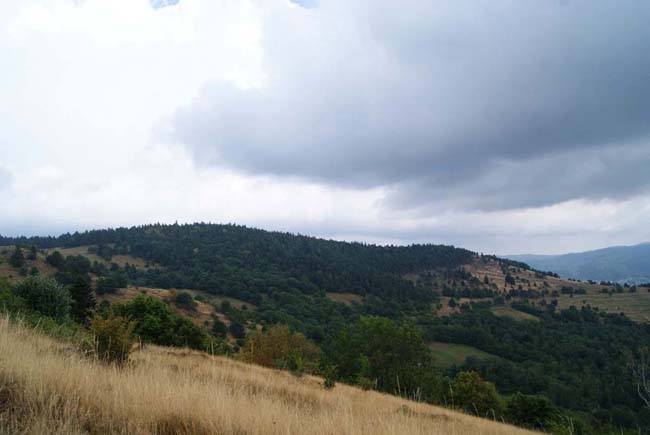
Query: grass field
[
  {"x": 9, "y": 272},
  {"x": 635, "y": 305},
  {"x": 448, "y": 354},
  {"x": 506, "y": 311},
  {"x": 346, "y": 298},
  {"x": 47, "y": 387}
]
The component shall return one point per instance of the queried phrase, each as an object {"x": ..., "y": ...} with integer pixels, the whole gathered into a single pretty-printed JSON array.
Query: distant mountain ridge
[{"x": 629, "y": 264}]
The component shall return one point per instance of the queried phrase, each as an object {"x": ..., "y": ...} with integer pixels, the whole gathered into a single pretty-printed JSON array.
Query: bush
[
  {"x": 219, "y": 329},
  {"x": 83, "y": 299},
  {"x": 280, "y": 348},
  {"x": 237, "y": 329},
  {"x": 110, "y": 284},
  {"x": 329, "y": 377},
  {"x": 530, "y": 410},
  {"x": 377, "y": 353},
  {"x": 476, "y": 396},
  {"x": 184, "y": 299},
  {"x": 157, "y": 323},
  {"x": 55, "y": 259},
  {"x": 113, "y": 338},
  {"x": 45, "y": 295},
  {"x": 9, "y": 302},
  {"x": 17, "y": 259}
]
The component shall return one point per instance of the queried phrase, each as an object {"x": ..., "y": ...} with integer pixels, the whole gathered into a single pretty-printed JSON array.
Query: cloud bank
[
  {"x": 500, "y": 126},
  {"x": 470, "y": 105}
]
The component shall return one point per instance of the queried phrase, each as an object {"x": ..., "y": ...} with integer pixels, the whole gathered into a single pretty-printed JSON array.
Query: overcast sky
[{"x": 500, "y": 126}]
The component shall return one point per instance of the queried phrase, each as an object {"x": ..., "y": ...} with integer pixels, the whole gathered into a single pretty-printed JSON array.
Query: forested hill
[
  {"x": 374, "y": 312},
  {"x": 629, "y": 264},
  {"x": 245, "y": 261}
]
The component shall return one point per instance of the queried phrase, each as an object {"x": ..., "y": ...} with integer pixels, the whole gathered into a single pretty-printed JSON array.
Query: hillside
[
  {"x": 622, "y": 264},
  {"x": 542, "y": 290},
  {"x": 47, "y": 387},
  {"x": 523, "y": 330}
]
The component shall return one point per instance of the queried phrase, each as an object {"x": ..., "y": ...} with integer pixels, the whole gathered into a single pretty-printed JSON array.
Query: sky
[{"x": 501, "y": 126}]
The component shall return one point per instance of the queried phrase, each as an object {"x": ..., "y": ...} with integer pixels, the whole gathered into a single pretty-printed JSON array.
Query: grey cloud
[
  {"x": 615, "y": 172},
  {"x": 489, "y": 105}
]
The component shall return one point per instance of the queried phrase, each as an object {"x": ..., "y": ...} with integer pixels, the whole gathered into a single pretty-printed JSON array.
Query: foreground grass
[{"x": 47, "y": 387}]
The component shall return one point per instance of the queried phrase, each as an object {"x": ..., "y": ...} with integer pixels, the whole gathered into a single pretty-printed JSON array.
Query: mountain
[{"x": 624, "y": 264}]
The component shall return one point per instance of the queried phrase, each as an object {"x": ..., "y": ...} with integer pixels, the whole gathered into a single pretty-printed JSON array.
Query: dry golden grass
[
  {"x": 47, "y": 387},
  {"x": 13, "y": 275}
]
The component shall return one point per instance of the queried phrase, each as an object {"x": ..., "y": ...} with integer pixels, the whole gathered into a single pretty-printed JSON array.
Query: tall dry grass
[{"x": 47, "y": 387}]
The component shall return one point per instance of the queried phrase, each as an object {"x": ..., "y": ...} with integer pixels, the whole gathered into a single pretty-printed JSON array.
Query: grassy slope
[
  {"x": 47, "y": 387},
  {"x": 634, "y": 305},
  {"x": 505, "y": 311},
  {"x": 203, "y": 312},
  {"x": 7, "y": 271},
  {"x": 448, "y": 354}
]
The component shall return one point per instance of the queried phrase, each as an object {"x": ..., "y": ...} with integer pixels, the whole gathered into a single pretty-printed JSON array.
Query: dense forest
[
  {"x": 569, "y": 366},
  {"x": 238, "y": 259}
]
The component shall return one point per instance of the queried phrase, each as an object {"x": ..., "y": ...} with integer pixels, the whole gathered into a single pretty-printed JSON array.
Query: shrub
[
  {"x": 237, "y": 329},
  {"x": 8, "y": 300},
  {"x": 83, "y": 299},
  {"x": 329, "y": 377},
  {"x": 113, "y": 338},
  {"x": 199, "y": 297},
  {"x": 17, "y": 259},
  {"x": 110, "y": 283},
  {"x": 45, "y": 296},
  {"x": 280, "y": 348},
  {"x": 529, "y": 410},
  {"x": 225, "y": 307},
  {"x": 55, "y": 259},
  {"x": 474, "y": 395},
  {"x": 219, "y": 329},
  {"x": 380, "y": 354},
  {"x": 157, "y": 323},
  {"x": 184, "y": 299}
]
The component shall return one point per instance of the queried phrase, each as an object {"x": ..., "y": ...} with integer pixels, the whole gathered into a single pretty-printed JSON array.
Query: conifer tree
[
  {"x": 17, "y": 259},
  {"x": 83, "y": 299}
]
